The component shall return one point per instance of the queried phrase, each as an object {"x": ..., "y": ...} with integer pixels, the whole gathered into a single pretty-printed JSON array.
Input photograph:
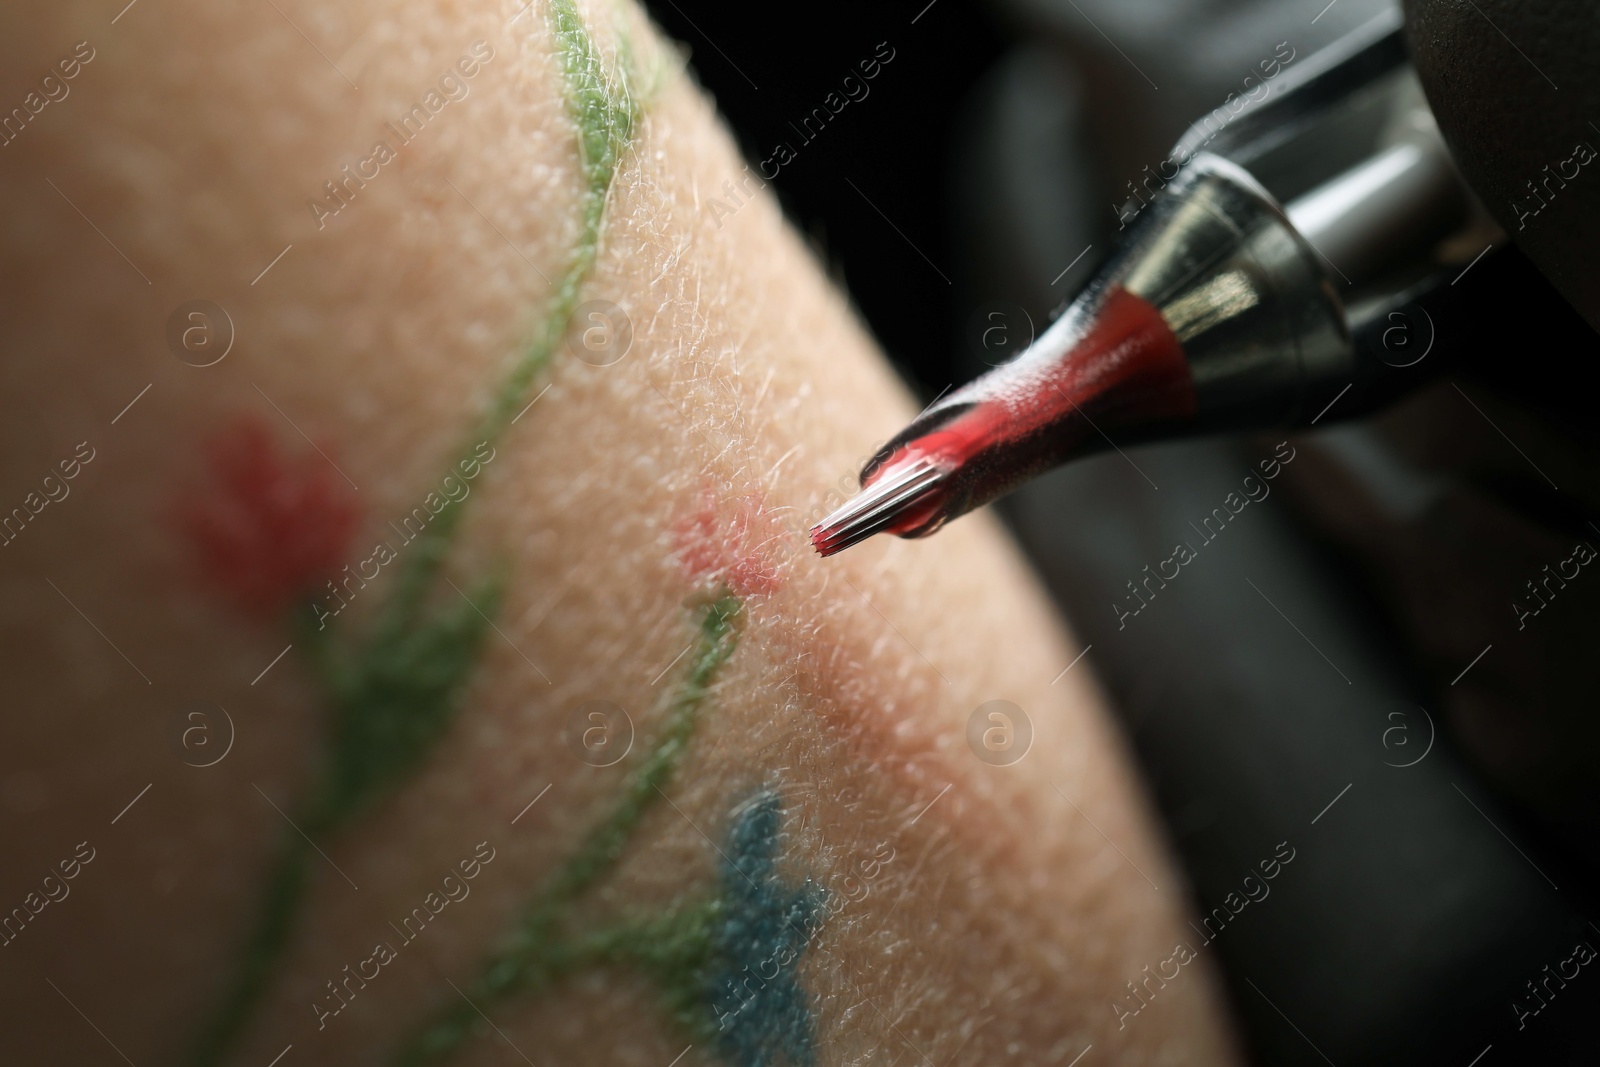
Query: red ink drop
[{"x": 269, "y": 526}]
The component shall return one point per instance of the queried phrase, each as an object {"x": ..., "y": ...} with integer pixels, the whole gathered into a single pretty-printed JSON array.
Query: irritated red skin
[
  {"x": 732, "y": 542},
  {"x": 1127, "y": 369},
  {"x": 269, "y": 526}
]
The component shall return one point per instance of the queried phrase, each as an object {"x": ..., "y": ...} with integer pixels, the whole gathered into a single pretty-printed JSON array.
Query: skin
[{"x": 1020, "y": 898}]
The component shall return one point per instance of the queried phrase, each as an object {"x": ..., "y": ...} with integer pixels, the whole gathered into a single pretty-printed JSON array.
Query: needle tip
[{"x": 913, "y": 485}]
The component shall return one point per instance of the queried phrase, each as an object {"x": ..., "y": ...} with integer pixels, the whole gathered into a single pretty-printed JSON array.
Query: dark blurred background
[
  {"x": 768, "y": 73},
  {"x": 1342, "y": 670}
]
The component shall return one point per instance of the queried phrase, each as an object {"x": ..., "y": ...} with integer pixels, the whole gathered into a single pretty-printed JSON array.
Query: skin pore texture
[{"x": 405, "y": 538}]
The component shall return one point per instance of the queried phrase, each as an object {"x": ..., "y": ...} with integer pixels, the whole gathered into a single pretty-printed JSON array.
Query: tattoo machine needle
[{"x": 1302, "y": 250}]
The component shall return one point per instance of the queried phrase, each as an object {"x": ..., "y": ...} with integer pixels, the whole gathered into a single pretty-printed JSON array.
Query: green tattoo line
[
  {"x": 707, "y": 957},
  {"x": 274, "y": 924},
  {"x": 602, "y": 107},
  {"x": 392, "y": 695},
  {"x": 538, "y": 952},
  {"x": 605, "y": 113},
  {"x": 692, "y": 950},
  {"x": 675, "y": 950}
]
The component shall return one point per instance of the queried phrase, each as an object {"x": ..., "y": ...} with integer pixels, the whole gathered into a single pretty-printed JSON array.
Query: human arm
[{"x": 813, "y": 728}]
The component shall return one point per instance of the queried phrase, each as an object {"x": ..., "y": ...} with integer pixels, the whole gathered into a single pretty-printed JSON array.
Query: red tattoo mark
[
  {"x": 268, "y": 526},
  {"x": 733, "y": 542}
]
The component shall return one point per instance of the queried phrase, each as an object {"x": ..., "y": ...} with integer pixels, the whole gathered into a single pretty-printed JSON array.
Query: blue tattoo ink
[{"x": 763, "y": 1016}]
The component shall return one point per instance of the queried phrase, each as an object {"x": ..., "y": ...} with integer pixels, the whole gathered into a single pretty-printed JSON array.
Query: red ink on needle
[{"x": 1111, "y": 365}]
